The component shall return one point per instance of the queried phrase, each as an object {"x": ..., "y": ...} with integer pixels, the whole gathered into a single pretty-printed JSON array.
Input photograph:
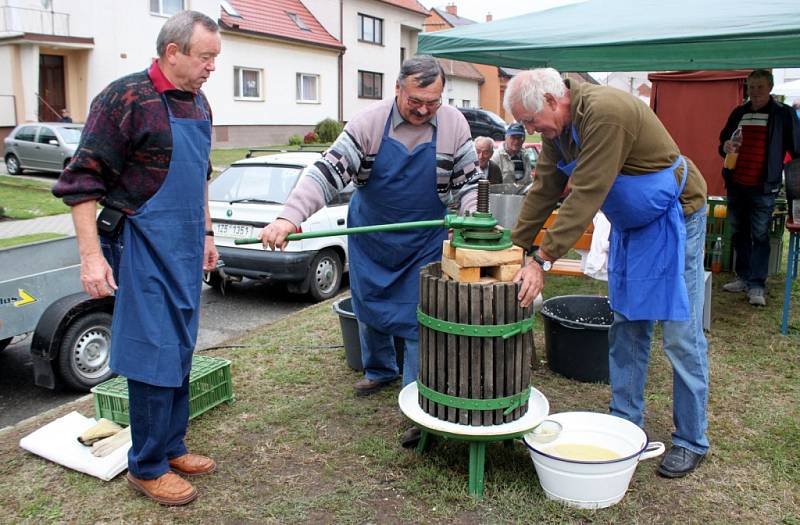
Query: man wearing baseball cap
[{"x": 515, "y": 165}]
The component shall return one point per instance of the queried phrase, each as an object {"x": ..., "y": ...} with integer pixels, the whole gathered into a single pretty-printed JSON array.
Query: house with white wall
[
  {"x": 285, "y": 64},
  {"x": 378, "y": 36}
]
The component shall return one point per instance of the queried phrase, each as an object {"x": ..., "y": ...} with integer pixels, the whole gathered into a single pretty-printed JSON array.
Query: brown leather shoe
[
  {"x": 167, "y": 489},
  {"x": 366, "y": 387},
  {"x": 193, "y": 464}
]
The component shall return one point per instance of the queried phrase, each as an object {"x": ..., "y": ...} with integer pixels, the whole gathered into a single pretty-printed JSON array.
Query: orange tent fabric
[{"x": 694, "y": 106}]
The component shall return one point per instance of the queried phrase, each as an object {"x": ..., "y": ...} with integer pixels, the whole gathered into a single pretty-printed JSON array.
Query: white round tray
[{"x": 538, "y": 409}]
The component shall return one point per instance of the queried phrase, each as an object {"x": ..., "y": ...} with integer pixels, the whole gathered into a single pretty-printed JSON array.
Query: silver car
[{"x": 41, "y": 146}]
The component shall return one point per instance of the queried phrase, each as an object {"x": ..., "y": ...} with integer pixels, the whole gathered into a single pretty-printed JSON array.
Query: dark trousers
[
  {"x": 749, "y": 214},
  {"x": 159, "y": 417}
]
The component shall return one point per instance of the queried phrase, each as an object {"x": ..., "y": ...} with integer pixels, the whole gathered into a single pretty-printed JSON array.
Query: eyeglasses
[{"x": 429, "y": 104}]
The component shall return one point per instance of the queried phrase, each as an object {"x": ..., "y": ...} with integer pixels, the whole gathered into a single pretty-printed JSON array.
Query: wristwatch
[
  {"x": 209, "y": 233},
  {"x": 546, "y": 265}
]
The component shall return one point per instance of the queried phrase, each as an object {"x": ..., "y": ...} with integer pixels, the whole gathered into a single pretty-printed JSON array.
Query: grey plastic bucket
[
  {"x": 350, "y": 336},
  {"x": 576, "y": 336}
]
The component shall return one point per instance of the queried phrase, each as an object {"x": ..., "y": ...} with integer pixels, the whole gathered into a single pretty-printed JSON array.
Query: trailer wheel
[
  {"x": 83, "y": 358},
  {"x": 4, "y": 343}
]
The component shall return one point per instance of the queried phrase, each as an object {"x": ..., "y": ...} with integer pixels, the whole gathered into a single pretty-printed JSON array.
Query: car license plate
[{"x": 235, "y": 231}]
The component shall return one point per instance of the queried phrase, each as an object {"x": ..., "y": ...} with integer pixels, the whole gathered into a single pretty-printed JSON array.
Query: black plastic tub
[
  {"x": 576, "y": 336},
  {"x": 350, "y": 336}
]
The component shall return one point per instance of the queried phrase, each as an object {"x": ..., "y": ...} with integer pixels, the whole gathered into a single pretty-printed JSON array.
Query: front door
[{"x": 51, "y": 88}]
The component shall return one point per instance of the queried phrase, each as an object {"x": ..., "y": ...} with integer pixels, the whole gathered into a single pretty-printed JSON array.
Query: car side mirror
[{"x": 53, "y": 142}]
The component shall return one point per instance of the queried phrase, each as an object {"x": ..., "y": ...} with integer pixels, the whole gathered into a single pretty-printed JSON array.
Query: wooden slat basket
[{"x": 475, "y": 349}]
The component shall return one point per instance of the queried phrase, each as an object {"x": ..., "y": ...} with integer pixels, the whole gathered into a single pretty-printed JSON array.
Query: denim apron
[
  {"x": 156, "y": 310},
  {"x": 384, "y": 267},
  {"x": 647, "y": 243}
]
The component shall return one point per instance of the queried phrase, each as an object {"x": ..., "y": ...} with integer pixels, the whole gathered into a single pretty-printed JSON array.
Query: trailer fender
[{"x": 51, "y": 327}]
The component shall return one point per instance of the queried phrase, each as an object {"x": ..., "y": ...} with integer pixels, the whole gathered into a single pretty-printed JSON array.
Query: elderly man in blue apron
[
  {"x": 160, "y": 245},
  {"x": 409, "y": 158},
  {"x": 618, "y": 157}
]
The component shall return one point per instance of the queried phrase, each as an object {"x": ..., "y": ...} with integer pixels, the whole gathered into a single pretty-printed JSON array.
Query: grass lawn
[
  {"x": 298, "y": 447},
  {"x": 27, "y": 199},
  {"x": 27, "y": 239}
]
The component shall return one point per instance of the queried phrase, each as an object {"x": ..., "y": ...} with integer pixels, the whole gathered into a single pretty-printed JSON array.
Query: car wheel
[
  {"x": 215, "y": 281},
  {"x": 12, "y": 165},
  {"x": 499, "y": 136},
  {"x": 325, "y": 275},
  {"x": 83, "y": 358},
  {"x": 4, "y": 343}
]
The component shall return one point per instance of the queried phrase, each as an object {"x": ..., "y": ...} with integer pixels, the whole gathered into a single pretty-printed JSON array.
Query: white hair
[
  {"x": 529, "y": 87},
  {"x": 484, "y": 140}
]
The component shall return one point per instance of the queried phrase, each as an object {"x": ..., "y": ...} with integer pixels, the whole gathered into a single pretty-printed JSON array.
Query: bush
[
  {"x": 310, "y": 137},
  {"x": 328, "y": 129},
  {"x": 295, "y": 140}
]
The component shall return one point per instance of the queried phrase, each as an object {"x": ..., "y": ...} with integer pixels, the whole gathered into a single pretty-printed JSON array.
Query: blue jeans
[
  {"x": 112, "y": 251},
  {"x": 379, "y": 358},
  {"x": 749, "y": 213},
  {"x": 685, "y": 346},
  {"x": 159, "y": 417}
]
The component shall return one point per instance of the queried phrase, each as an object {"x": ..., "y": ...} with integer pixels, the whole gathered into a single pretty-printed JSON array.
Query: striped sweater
[{"x": 350, "y": 158}]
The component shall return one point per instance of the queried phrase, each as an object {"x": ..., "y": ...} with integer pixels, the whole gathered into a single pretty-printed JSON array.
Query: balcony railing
[{"x": 27, "y": 20}]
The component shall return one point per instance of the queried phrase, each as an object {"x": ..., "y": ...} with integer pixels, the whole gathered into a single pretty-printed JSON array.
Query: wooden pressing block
[
  {"x": 457, "y": 273},
  {"x": 468, "y": 258},
  {"x": 505, "y": 272},
  {"x": 448, "y": 250}
]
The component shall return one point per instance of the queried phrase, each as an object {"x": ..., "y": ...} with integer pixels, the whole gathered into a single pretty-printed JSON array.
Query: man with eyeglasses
[
  {"x": 409, "y": 158},
  {"x": 617, "y": 156}
]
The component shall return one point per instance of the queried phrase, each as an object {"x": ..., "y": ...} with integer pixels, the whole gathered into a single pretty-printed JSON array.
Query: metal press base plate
[{"x": 538, "y": 409}]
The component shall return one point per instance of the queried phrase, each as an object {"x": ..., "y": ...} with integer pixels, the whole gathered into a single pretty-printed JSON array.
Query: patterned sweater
[
  {"x": 351, "y": 156},
  {"x": 126, "y": 145}
]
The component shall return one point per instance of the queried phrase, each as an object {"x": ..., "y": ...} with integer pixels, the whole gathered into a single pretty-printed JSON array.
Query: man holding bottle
[{"x": 755, "y": 141}]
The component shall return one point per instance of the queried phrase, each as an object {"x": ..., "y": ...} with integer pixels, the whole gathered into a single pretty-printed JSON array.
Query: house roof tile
[
  {"x": 411, "y": 5},
  {"x": 271, "y": 18},
  {"x": 453, "y": 20},
  {"x": 454, "y": 68}
]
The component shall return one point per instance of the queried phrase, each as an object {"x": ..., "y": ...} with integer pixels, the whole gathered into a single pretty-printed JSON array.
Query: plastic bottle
[
  {"x": 736, "y": 143},
  {"x": 716, "y": 256}
]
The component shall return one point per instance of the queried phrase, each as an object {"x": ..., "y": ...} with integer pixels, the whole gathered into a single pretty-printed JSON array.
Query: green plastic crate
[{"x": 209, "y": 385}]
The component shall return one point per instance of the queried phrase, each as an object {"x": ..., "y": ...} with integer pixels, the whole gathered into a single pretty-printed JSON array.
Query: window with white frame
[
  {"x": 166, "y": 7},
  {"x": 247, "y": 83},
  {"x": 307, "y": 88},
  {"x": 370, "y": 84},
  {"x": 465, "y": 103},
  {"x": 370, "y": 29}
]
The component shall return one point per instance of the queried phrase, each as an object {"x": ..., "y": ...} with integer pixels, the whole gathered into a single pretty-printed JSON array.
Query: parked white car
[{"x": 249, "y": 195}]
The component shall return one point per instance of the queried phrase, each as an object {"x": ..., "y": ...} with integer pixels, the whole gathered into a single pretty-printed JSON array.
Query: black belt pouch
[{"x": 110, "y": 222}]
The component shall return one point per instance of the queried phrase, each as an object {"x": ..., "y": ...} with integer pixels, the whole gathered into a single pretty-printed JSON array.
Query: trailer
[{"x": 41, "y": 293}]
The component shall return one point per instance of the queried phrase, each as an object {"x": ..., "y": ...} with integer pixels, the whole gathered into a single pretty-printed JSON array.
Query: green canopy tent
[{"x": 631, "y": 35}]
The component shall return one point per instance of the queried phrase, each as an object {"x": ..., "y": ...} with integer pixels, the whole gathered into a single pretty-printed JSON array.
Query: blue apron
[
  {"x": 384, "y": 267},
  {"x": 156, "y": 310},
  {"x": 647, "y": 243}
]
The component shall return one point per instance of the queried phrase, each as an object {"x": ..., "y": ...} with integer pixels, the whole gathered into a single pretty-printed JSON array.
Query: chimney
[
  {"x": 452, "y": 8},
  {"x": 488, "y": 17}
]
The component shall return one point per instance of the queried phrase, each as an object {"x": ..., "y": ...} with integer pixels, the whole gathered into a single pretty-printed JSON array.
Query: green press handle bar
[
  {"x": 450, "y": 221},
  {"x": 402, "y": 226}
]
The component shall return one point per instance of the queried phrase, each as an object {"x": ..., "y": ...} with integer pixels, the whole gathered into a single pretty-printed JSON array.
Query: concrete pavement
[{"x": 52, "y": 224}]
